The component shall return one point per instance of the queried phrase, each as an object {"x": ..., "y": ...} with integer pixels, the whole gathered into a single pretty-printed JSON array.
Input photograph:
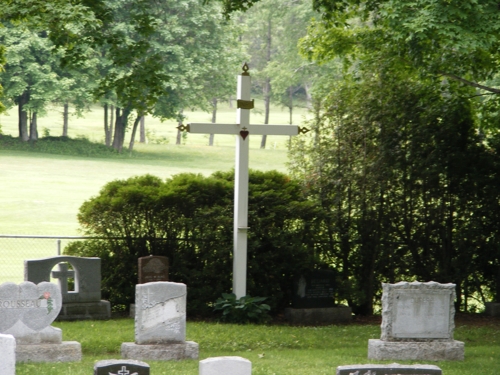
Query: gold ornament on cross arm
[
  {"x": 183, "y": 128},
  {"x": 303, "y": 130}
]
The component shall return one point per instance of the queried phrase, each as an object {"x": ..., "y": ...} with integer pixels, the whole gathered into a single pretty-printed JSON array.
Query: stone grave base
[
  {"x": 161, "y": 352},
  {"x": 492, "y": 308},
  {"x": 416, "y": 351},
  {"x": 67, "y": 351},
  {"x": 319, "y": 316},
  {"x": 85, "y": 310}
]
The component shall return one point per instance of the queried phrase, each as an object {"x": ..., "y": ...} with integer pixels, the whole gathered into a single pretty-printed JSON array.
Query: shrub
[
  {"x": 189, "y": 219},
  {"x": 243, "y": 310}
]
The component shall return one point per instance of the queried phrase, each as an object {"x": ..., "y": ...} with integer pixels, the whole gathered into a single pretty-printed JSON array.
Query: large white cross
[{"x": 243, "y": 129}]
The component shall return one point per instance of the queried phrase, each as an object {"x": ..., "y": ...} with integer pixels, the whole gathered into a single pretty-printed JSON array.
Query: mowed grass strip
[{"x": 273, "y": 349}]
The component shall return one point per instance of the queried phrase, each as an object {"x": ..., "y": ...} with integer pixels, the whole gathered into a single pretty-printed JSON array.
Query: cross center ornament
[{"x": 243, "y": 129}]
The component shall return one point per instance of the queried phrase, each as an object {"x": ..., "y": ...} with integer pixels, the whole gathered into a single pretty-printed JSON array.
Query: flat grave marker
[{"x": 121, "y": 367}]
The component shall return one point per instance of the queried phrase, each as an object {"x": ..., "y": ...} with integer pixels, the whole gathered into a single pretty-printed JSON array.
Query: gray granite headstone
[
  {"x": 27, "y": 311},
  {"x": 153, "y": 268},
  {"x": 392, "y": 369},
  {"x": 418, "y": 311},
  {"x": 417, "y": 323},
  {"x": 121, "y": 367},
  {"x": 86, "y": 273},
  {"x": 225, "y": 366},
  {"x": 160, "y": 324},
  {"x": 84, "y": 302},
  {"x": 160, "y": 313}
]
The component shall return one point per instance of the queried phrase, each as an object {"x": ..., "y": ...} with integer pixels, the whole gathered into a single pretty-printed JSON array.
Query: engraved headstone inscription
[
  {"x": 317, "y": 289},
  {"x": 153, "y": 268},
  {"x": 121, "y": 367},
  {"x": 313, "y": 300}
]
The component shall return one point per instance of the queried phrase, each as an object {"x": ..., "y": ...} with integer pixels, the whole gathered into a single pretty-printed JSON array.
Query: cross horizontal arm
[{"x": 210, "y": 128}]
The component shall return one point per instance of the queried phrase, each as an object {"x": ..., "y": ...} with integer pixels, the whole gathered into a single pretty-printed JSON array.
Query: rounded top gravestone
[{"x": 27, "y": 309}]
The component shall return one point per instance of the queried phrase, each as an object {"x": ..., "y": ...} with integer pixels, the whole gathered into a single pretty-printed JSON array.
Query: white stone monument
[
  {"x": 417, "y": 323},
  {"x": 225, "y": 366},
  {"x": 27, "y": 311},
  {"x": 160, "y": 324},
  {"x": 243, "y": 130},
  {"x": 8, "y": 354}
]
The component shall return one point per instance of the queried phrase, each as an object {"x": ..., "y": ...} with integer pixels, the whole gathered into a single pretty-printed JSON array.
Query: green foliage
[
  {"x": 407, "y": 188},
  {"x": 189, "y": 218},
  {"x": 242, "y": 310},
  {"x": 80, "y": 146}
]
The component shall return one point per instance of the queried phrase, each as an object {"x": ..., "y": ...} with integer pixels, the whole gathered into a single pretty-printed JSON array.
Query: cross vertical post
[
  {"x": 241, "y": 192},
  {"x": 242, "y": 129}
]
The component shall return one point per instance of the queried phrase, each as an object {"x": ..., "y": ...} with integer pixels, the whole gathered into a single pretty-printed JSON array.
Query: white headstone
[
  {"x": 160, "y": 313},
  {"x": 418, "y": 311},
  {"x": 225, "y": 366},
  {"x": 417, "y": 323},
  {"x": 8, "y": 354}
]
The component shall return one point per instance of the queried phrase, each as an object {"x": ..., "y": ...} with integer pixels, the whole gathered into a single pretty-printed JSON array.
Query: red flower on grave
[{"x": 50, "y": 306}]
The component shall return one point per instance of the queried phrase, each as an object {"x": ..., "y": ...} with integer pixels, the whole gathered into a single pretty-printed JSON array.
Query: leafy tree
[
  {"x": 393, "y": 162},
  {"x": 458, "y": 40},
  {"x": 29, "y": 78}
]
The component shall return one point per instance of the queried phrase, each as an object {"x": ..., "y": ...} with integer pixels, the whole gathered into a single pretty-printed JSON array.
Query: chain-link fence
[{"x": 14, "y": 250}]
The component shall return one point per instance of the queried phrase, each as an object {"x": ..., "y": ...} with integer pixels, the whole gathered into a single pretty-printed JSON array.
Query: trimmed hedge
[{"x": 189, "y": 219}]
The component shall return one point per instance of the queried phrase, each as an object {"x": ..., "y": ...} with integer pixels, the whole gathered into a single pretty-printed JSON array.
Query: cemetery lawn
[{"x": 272, "y": 349}]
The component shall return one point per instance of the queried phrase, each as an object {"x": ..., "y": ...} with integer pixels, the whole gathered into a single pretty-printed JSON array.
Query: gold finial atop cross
[{"x": 245, "y": 70}]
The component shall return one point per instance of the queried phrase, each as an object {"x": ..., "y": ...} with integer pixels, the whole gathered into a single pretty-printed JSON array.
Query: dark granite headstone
[
  {"x": 315, "y": 290},
  {"x": 121, "y": 367},
  {"x": 392, "y": 369},
  {"x": 153, "y": 268}
]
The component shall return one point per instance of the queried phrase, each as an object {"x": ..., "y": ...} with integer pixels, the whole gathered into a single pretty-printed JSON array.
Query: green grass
[{"x": 274, "y": 349}]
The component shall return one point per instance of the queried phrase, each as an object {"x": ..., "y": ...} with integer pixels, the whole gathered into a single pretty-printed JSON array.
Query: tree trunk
[
  {"x": 134, "y": 131},
  {"x": 111, "y": 120},
  {"x": 120, "y": 127},
  {"x": 214, "y": 118},
  {"x": 142, "y": 132},
  {"x": 179, "y": 133},
  {"x": 267, "y": 84},
  {"x": 33, "y": 128},
  {"x": 65, "y": 119},
  {"x": 107, "y": 130},
  {"x": 267, "y": 100},
  {"x": 23, "y": 116}
]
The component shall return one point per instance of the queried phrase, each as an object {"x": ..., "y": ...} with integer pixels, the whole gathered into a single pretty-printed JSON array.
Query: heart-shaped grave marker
[{"x": 34, "y": 305}]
